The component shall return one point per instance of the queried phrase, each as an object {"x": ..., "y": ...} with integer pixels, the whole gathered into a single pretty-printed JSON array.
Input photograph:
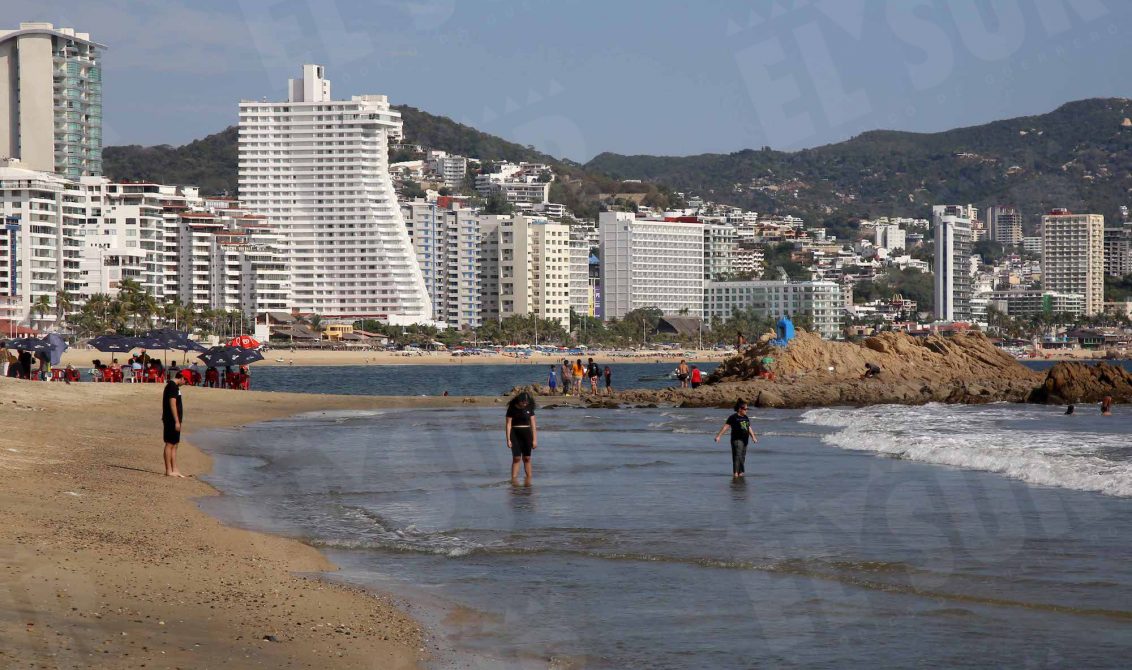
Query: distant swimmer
[
  {"x": 1069, "y": 410},
  {"x": 871, "y": 370},
  {"x": 741, "y": 433},
  {"x": 522, "y": 433},
  {"x": 1106, "y": 406}
]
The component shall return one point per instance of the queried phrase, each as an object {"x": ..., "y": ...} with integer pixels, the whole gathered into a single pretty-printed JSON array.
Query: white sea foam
[{"x": 977, "y": 439}]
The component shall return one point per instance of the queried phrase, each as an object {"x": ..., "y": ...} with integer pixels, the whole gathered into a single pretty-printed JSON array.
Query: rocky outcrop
[
  {"x": 811, "y": 372},
  {"x": 901, "y": 357},
  {"x": 1084, "y": 383}
]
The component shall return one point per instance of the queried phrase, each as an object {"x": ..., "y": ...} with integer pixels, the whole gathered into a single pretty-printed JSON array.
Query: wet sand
[{"x": 107, "y": 563}]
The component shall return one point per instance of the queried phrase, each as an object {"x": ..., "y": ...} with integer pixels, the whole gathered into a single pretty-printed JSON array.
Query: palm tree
[
  {"x": 63, "y": 304},
  {"x": 41, "y": 305}
]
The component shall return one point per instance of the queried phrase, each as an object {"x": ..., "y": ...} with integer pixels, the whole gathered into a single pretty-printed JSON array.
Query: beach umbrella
[
  {"x": 33, "y": 344},
  {"x": 244, "y": 341},
  {"x": 226, "y": 356},
  {"x": 118, "y": 344},
  {"x": 58, "y": 346},
  {"x": 248, "y": 356},
  {"x": 171, "y": 339}
]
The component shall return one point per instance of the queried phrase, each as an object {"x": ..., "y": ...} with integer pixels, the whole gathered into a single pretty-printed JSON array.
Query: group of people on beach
[
  {"x": 688, "y": 377},
  {"x": 141, "y": 368},
  {"x": 521, "y": 431},
  {"x": 575, "y": 374}
]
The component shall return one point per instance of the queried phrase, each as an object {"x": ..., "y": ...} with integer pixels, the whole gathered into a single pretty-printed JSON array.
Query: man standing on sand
[{"x": 172, "y": 413}]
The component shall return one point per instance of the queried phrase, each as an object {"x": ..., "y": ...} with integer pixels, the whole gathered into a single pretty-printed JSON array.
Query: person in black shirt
[
  {"x": 172, "y": 414},
  {"x": 741, "y": 431},
  {"x": 522, "y": 434}
]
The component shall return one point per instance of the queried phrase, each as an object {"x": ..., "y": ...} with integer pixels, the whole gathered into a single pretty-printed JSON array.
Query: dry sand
[
  {"x": 107, "y": 563},
  {"x": 82, "y": 357}
]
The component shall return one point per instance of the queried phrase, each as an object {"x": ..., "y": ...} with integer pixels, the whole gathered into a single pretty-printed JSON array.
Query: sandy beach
[
  {"x": 82, "y": 357},
  {"x": 108, "y": 563}
]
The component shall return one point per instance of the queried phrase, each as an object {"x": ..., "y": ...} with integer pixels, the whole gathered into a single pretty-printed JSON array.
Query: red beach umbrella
[{"x": 244, "y": 341}]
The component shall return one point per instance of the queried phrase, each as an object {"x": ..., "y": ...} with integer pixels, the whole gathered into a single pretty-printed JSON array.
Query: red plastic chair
[
  {"x": 138, "y": 376},
  {"x": 107, "y": 375},
  {"x": 151, "y": 376},
  {"x": 73, "y": 375},
  {"x": 118, "y": 376},
  {"x": 58, "y": 375}
]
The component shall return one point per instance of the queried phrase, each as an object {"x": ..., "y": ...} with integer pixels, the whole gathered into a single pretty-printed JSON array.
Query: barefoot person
[
  {"x": 172, "y": 413},
  {"x": 741, "y": 432},
  {"x": 522, "y": 433}
]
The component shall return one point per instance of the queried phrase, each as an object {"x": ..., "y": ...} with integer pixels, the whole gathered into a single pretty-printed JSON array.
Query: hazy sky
[{"x": 576, "y": 78}]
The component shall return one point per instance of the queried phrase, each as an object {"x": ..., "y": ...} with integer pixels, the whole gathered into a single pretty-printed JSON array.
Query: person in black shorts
[
  {"x": 522, "y": 434},
  {"x": 741, "y": 432},
  {"x": 608, "y": 381},
  {"x": 172, "y": 414}
]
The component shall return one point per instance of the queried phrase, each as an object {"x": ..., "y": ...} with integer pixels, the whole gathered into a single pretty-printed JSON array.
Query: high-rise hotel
[
  {"x": 318, "y": 168},
  {"x": 1073, "y": 256},
  {"x": 51, "y": 97}
]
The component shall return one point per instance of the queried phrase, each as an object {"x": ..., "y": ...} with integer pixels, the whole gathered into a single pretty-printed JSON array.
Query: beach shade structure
[
  {"x": 244, "y": 342},
  {"x": 118, "y": 344},
  {"x": 58, "y": 346},
  {"x": 224, "y": 356},
  {"x": 33, "y": 344},
  {"x": 249, "y": 356},
  {"x": 172, "y": 340}
]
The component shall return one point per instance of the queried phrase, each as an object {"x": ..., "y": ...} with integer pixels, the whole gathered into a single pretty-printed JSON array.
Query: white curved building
[{"x": 318, "y": 168}]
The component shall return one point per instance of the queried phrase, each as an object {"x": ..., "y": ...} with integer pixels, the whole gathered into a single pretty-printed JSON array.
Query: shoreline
[
  {"x": 111, "y": 564},
  {"x": 81, "y": 358}
]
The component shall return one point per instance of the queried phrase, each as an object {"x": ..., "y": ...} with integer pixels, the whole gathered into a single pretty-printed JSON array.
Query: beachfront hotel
[
  {"x": 525, "y": 267},
  {"x": 446, "y": 241},
  {"x": 1073, "y": 256},
  {"x": 822, "y": 301},
  {"x": 953, "y": 245},
  {"x": 318, "y": 168},
  {"x": 650, "y": 263},
  {"x": 51, "y": 94}
]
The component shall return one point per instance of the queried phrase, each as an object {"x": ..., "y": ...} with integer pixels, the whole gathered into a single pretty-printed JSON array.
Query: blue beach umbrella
[
  {"x": 33, "y": 344},
  {"x": 226, "y": 356},
  {"x": 118, "y": 344},
  {"x": 58, "y": 346}
]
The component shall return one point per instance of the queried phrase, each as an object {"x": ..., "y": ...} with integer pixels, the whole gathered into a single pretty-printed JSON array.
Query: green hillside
[{"x": 1077, "y": 156}]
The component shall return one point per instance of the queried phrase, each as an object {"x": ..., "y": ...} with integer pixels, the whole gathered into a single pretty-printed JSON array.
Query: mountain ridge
[{"x": 1077, "y": 156}]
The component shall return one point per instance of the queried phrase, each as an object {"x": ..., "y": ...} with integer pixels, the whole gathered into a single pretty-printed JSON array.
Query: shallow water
[
  {"x": 847, "y": 546},
  {"x": 456, "y": 379}
]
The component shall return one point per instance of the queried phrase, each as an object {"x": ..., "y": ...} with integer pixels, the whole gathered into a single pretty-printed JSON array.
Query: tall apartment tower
[
  {"x": 525, "y": 267},
  {"x": 51, "y": 97},
  {"x": 952, "y": 263},
  {"x": 318, "y": 168},
  {"x": 1073, "y": 256},
  {"x": 650, "y": 263},
  {"x": 1004, "y": 225},
  {"x": 1118, "y": 248},
  {"x": 446, "y": 240}
]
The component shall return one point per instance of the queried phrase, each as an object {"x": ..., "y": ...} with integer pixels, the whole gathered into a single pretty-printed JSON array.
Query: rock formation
[
  {"x": 1081, "y": 383},
  {"x": 812, "y": 372}
]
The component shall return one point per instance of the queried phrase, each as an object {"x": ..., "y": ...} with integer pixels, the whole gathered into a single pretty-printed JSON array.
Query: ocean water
[
  {"x": 887, "y": 537},
  {"x": 457, "y": 379}
]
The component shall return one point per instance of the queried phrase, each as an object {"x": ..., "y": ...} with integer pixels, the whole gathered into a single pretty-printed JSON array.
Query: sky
[{"x": 576, "y": 78}]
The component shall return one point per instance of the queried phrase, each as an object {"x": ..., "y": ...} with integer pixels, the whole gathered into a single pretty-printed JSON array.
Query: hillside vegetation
[{"x": 1076, "y": 157}]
